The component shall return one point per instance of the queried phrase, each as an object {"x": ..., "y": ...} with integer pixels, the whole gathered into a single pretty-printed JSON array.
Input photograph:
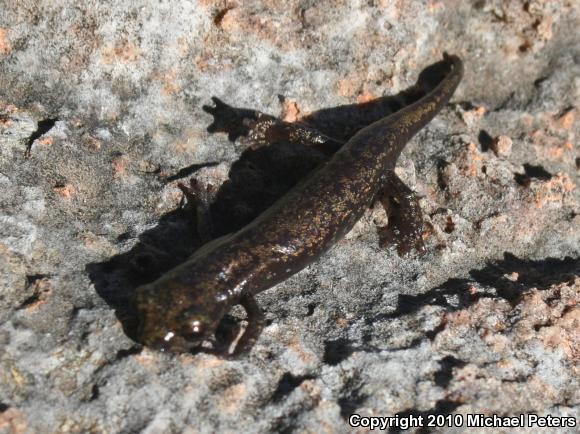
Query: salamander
[{"x": 183, "y": 308}]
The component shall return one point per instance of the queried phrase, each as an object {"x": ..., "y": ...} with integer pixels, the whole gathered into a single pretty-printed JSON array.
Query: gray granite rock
[{"x": 100, "y": 117}]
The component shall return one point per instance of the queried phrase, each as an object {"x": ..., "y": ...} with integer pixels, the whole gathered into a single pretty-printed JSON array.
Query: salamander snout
[
  {"x": 168, "y": 325},
  {"x": 176, "y": 343},
  {"x": 177, "y": 339}
]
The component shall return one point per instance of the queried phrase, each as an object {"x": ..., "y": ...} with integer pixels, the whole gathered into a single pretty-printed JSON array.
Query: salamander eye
[{"x": 197, "y": 327}]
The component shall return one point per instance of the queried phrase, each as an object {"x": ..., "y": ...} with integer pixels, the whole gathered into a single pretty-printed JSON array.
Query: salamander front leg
[
  {"x": 405, "y": 227},
  {"x": 256, "y": 323}
]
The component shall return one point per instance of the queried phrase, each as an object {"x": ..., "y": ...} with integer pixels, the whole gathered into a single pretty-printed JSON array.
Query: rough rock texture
[{"x": 100, "y": 117}]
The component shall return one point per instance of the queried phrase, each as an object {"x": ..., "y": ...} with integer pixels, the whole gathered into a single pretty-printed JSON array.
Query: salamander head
[{"x": 176, "y": 318}]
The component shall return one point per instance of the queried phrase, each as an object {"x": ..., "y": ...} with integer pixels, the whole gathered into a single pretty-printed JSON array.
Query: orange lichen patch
[
  {"x": 233, "y": 397},
  {"x": 5, "y": 46},
  {"x": 544, "y": 28},
  {"x": 505, "y": 364},
  {"x": 5, "y": 122},
  {"x": 12, "y": 421},
  {"x": 502, "y": 146},
  {"x": 535, "y": 307},
  {"x": 567, "y": 120},
  {"x": 471, "y": 161},
  {"x": 45, "y": 141},
  {"x": 8, "y": 108},
  {"x": 553, "y": 317},
  {"x": 434, "y": 5},
  {"x": 366, "y": 96},
  {"x": 122, "y": 51},
  {"x": 554, "y": 138},
  {"x": 477, "y": 316},
  {"x": 549, "y": 316},
  {"x": 348, "y": 86},
  {"x": 66, "y": 191},
  {"x": 480, "y": 111},
  {"x": 564, "y": 334},
  {"x": 228, "y": 19},
  {"x": 473, "y": 117},
  {"x": 428, "y": 230},
  {"x": 169, "y": 82},
  {"x": 119, "y": 165},
  {"x": 241, "y": 21},
  {"x": 553, "y": 152},
  {"x": 148, "y": 359},
  {"x": 461, "y": 318},
  {"x": 290, "y": 111},
  {"x": 205, "y": 361},
  {"x": 553, "y": 190}
]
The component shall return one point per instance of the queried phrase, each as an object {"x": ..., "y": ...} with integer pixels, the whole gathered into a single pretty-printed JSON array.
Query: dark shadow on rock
[
  {"x": 336, "y": 351},
  {"x": 532, "y": 172},
  {"x": 454, "y": 294},
  {"x": 485, "y": 140},
  {"x": 158, "y": 250},
  {"x": 352, "y": 395},
  {"x": 257, "y": 179},
  {"x": 287, "y": 384},
  {"x": 498, "y": 276},
  {"x": 189, "y": 170},
  {"x": 343, "y": 122}
]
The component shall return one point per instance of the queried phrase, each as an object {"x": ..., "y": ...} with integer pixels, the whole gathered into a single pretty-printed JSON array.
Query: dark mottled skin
[{"x": 184, "y": 307}]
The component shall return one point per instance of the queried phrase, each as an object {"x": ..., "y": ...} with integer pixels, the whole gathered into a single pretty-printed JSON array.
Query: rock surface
[{"x": 100, "y": 117}]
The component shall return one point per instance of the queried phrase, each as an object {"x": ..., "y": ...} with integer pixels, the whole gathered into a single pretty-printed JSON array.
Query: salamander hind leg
[
  {"x": 198, "y": 202},
  {"x": 260, "y": 129},
  {"x": 255, "y": 326},
  {"x": 405, "y": 227},
  {"x": 267, "y": 130}
]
